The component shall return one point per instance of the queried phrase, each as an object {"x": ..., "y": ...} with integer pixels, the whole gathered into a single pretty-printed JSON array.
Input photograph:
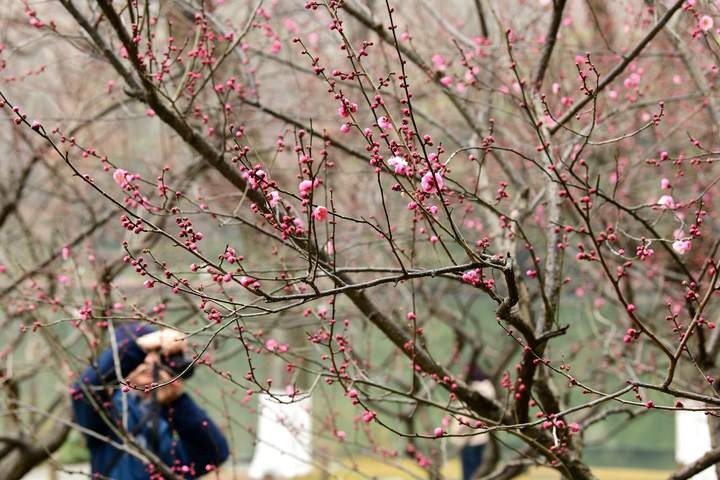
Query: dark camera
[{"x": 177, "y": 363}]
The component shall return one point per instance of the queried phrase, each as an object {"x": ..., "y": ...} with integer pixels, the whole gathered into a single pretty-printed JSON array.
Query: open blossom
[
  {"x": 399, "y": 164},
  {"x": 119, "y": 176},
  {"x": 320, "y": 213},
  {"x": 665, "y": 184},
  {"x": 306, "y": 186},
  {"x": 666, "y": 201},
  {"x": 681, "y": 246},
  {"x": 274, "y": 199},
  {"x": 705, "y": 23},
  {"x": 432, "y": 182},
  {"x": 384, "y": 123}
]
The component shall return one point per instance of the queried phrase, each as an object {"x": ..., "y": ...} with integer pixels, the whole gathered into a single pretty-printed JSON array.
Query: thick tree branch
[{"x": 550, "y": 41}]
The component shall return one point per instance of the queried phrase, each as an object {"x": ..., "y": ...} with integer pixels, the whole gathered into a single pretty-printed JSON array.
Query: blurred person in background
[
  {"x": 164, "y": 421},
  {"x": 472, "y": 447}
]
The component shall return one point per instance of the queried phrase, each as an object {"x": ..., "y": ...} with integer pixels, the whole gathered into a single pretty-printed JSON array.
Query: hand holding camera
[
  {"x": 164, "y": 361},
  {"x": 167, "y": 341}
]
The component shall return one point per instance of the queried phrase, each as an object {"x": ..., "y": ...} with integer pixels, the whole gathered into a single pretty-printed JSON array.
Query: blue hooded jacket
[{"x": 187, "y": 439}]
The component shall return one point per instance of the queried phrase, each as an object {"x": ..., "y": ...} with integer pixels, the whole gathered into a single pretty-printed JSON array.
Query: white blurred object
[
  {"x": 284, "y": 439},
  {"x": 692, "y": 439}
]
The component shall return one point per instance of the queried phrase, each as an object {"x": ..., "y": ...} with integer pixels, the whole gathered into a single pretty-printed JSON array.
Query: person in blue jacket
[{"x": 164, "y": 421}]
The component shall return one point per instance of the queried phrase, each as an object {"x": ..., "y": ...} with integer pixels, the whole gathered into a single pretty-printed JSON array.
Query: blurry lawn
[{"x": 407, "y": 469}]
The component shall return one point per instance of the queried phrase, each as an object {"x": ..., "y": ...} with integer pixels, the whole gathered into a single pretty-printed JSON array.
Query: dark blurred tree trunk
[{"x": 24, "y": 455}]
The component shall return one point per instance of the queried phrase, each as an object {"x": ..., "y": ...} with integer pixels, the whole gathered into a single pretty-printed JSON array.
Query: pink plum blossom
[
  {"x": 320, "y": 213},
  {"x": 274, "y": 199},
  {"x": 368, "y": 417},
  {"x": 438, "y": 62},
  {"x": 705, "y": 23},
  {"x": 432, "y": 182},
  {"x": 399, "y": 164},
  {"x": 471, "y": 277},
  {"x": 666, "y": 201},
  {"x": 306, "y": 186},
  {"x": 119, "y": 175},
  {"x": 681, "y": 246}
]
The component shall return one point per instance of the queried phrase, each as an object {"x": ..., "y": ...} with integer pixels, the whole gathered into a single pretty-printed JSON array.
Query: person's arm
[
  {"x": 130, "y": 355},
  {"x": 200, "y": 436}
]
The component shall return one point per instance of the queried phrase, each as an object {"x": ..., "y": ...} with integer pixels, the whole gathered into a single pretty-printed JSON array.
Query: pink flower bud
[{"x": 368, "y": 417}]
